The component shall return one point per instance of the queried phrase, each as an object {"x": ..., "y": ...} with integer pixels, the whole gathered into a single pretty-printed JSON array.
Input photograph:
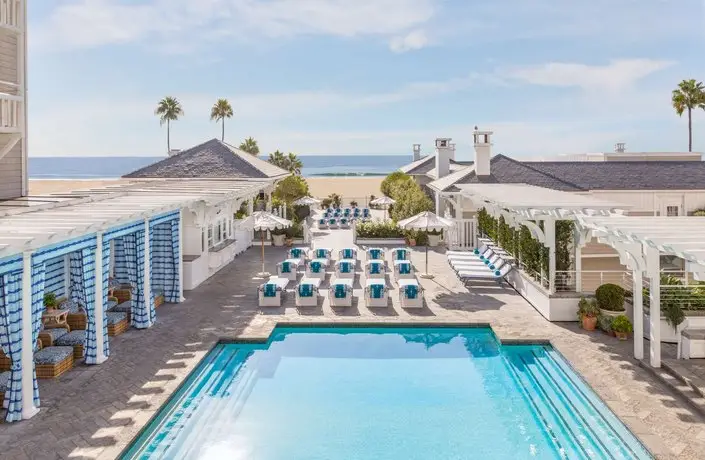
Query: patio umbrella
[
  {"x": 307, "y": 201},
  {"x": 425, "y": 221},
  {"x": 263, "y": 221},
  {"x": 383, "y": 201}
]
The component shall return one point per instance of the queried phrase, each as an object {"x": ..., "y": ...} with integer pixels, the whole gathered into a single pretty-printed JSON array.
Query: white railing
[
  {"x": 589, "y": 280},
  {"x": 462, "y": 234},
  {"x": 10, "y": 113},
  {"x": 10, "y": 13}
]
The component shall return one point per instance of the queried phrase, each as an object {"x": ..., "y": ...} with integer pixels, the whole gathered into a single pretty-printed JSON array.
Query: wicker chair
[
  {"x": 74, "y": 339},
  {"x": 77, "y": 318},
  {"x": 49, "y": 336},
  {"x": 51, "y": 362},
  {"x": 117, "y": 323},
  {"x": 5, "y": 362},
  {"x": 158, "y": 297},
  {"x": 4, "y": 384}
]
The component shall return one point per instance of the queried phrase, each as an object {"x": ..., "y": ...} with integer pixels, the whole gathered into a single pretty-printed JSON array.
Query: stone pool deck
[{"x": 93, "y": 412}]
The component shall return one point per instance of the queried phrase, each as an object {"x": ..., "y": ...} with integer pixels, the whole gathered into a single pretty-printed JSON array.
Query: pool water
[{"x": 373, "y": 393}]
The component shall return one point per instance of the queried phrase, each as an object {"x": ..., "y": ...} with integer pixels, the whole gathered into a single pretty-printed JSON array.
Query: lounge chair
[
  {"x": 332, "y": 222},
  {"x": 346, "y": 212},
  {"x": 375, "y": 269},
  {"x": 48, "y": 337},
  {"x": 323, "y": 223},
  {"x": 484, "y": 274},
  {"x": 410, "y": 293},
  {"x": 329, "y": 211},
  {"x": 375, "y": 253},
  {"x": 376, "y": 293},
  {"x": 75, "y": 339},
  {"x": 4, "y": 385},
  {"x": 356, "y": 213},
  {"x": 307, "y": 292},
  {"x": 345, "y": 268},
  {"x": 124, "y": 307},
  {"x": 320, "y": 253},
  {"x": 476, "y": 260},
  {"x": 270, "y": 293},
  {"x": 340, "y": 292},
  {"x": 400, "y": 254},
  {"x": 288, "y": 269},
  {"x": 51, "y": 362},
  {"x": 316, "y": 268},
  {"x": 344, "y": 222},
  {"x": 478, "y": 265},
  {"x": 365, "y": 213},
  {"x": 298, "y": 253},
  {"x": 77, "y": 317},
  {"x": 403, "y": 270},
  {"x": 347, "y": 253},
  {"x": 117, "y": 322}
]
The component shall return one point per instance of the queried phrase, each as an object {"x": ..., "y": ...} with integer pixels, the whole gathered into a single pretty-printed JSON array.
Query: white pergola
[
  {"x": 640, "y": 242},
  {"x": 522, "y": 204}
]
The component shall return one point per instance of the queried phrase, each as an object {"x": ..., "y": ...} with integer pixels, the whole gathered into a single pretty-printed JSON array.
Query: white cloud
[
  {"x": 414, "y": 40},
  {"x": 615, "y": 76}
]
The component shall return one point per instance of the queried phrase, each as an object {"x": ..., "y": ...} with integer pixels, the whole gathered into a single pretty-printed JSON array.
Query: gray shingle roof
[
  {"x": 420, "y": 166},
  {"x": 212, "y": 159}
]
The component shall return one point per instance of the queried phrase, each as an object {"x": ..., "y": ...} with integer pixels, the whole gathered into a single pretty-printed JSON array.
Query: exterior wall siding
[
  {"x": 11, "y": 174},
  {"x": 8, "y": 60},
  {"x": 54, "y": 281}
]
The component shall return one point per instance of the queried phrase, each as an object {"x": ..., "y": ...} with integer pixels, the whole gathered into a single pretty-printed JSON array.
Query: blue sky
[{"x": 363, "y": 76}]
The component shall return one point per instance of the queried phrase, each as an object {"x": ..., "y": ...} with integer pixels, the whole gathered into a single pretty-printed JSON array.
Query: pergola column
[
  {"x": 98, "y": 303},
  {"x": 250, "y": 206},
  {"x": 549, "y": 230},
  {"x": 653, "y": 269},
  {"x": 638, "y": 299},
  {"x": 28, "y": 408}
]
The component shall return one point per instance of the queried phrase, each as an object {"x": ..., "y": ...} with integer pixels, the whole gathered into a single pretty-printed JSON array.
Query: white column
[
  {"x": 268, "y": 206},
  {"x": 250, "y": 206},
  {"x": 438, "y": 203},
  {"x": 98, "y": 303},
  {"x": 578, "y": 267},
  {"x": 549, "y": 229},
  {"x": 147, "y": 272},
  {"x": 28, "y": 408},
  {"x": 67, "y": 276},
  {"x": 637, "y": 298},
  {"x": 181, "y": 255},
  {"x": 653, "y": 269}
]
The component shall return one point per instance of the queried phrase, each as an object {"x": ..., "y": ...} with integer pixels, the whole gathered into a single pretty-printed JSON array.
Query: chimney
[
  {"x": 445, "y": 151},
  {"x": 619, "y": 147},
  {"x": 483, "y": 151},
  {"x": 417, "y": 152}
]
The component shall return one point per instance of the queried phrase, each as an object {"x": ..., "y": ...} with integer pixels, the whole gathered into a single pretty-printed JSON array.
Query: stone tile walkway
[{"x": 94, "y": 411}]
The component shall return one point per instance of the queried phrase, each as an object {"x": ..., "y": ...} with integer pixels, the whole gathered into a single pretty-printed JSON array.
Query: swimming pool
[{"x": 384, "y": 393}]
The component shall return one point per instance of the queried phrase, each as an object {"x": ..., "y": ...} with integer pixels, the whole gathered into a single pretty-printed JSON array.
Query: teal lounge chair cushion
[
  {"x": 270, "y": 290},
  {"x": 375, "y": 253},
  {"x": 331, "y": 222},
  {"x": 297, "y": 253},
  {"x": 72, "y": 338},
  {"x": 375, "y": 269},
  {"x": 492, "y": 267},
  {"x": 305, "y": 290},
  {"x": 405, "y": 268},
  {"x": 52, "y": 355},
  {"x": 412, "y": 291},
  {"x": 348, "y": 253},
  {"x": 345, "y": 267},
  {"x": 376, "y": 291},
  {"x": 340, "y": 291},
  {"x": 286, "y": 268},
  {"x": 401, "y": 254},
  {"x": 321, "y": 222},
  {"x": 321, "y": 253},
  {"x": 497, "y": 273},
  {"x": 315, "y": 266},
  {"x": 476, "y": 251},
  {"x": 343, "y": 221}
]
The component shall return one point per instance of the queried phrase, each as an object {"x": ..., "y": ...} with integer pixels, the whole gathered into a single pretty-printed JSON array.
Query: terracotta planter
[
  {"x": 289, "y": 242},
  {"x": 412, "y": 242},
  {"x": 589, "y": 323},
  {"x": 622, "y": 335}
]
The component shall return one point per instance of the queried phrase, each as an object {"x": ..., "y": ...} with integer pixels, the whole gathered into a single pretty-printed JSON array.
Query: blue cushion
[
  {"x": 487, "y": 261},
  {"x": 4, "y": 381},
  {"x": 401, "y": 254},
  {"x": 412, "y": 291},
  {"x": 72, "y": 306},
  {"x": 375, "y": 253},
  {"x": 348, "y": 253},
  {"x": 72, "y": 338},
  {"x": 111, "y": 304},
  {"x": 52, "y": 355},
  {"x": 270, "y": 290},
  {"x": 477, "y": 251},
  {"x": 340, "y": 291},
  {"x": 285, "y": 267},
  {"x": 114, "y": 284},
  {"x": 321, "y": 253},
  {"x": 405, "y": 268},
  {"x": 344, "y": 267},
  {"x": 482, "y": 257},
  {"x": 322, "y": 222},
  {"x": 374, "y": 268},
  {"x": 376, "y": 291},
  {"x": 115, "y": 317},
  {"x": 296, "y": 253},
  {"x": 55, "y": 333},
  {"x": 305, "y": 290},
  {"x": 315, "y": 266},
  {"x": 492, "y": 267},
  {"x": 124, "y": 307},
  {"x": 343, "y": 221},
  {"x": 157, "y": 292}
]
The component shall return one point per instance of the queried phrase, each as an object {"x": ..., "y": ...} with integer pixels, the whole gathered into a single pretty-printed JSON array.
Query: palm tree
[
  {"x": 294, "y": 164},
  {"x": 689, "y": 95},
  {"x": 250, "y": 146},
  {"x": 278, "y": 159},
  {"x": 169, "y": 109},
  {"x": 220, "y": 111},
  {"x": 289, "y": 162}
]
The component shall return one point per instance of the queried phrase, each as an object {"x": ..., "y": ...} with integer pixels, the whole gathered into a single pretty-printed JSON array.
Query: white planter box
[
  {"x": 556, "y": 308},
  {"x": 434, "y": 240},
  {"x": 668, "y": 335},
  {"x": 278, "y": 240},
  {"x": 382, "y": 241}
]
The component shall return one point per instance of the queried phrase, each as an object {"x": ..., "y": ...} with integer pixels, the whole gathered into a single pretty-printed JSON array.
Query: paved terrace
[{"x": 94, "y": 412}]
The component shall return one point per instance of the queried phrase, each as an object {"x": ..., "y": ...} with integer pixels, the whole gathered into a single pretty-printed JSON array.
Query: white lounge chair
[
  {"x": 375, "y": 269},
  {"x": 345, "y": 268},
  {"x": 332, "y": 222},
  {"x": 484, "y": 274},
  {"x": 347, "y": 253},
  {"x": 376, "y": 293},
  {"x": 288, "y": 269},
  {"x": 320, "y": 253},
  {"x": 476, "y": 261},
  {"x": 340, "y": 292},
  {"x": 374, "y": 254},
  {"x": 316, "y": 268},
  {"x": 322, "y": 223},
  {"x": 400, "y": 254},
  {"x": 307, "y": 292},
  {"x": 410, "y": 293},
  {"x": 403, "y": 269},
  {"x": 270, "y": 293},
  {"x": 298, "y": 253},
  {"x": 344, "y": 222},
  {"x": 475, "y": 266}
]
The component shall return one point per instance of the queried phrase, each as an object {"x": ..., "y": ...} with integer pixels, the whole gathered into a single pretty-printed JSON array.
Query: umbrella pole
[
  {"x": 262, "y": 274},
  {"x": 426, "y": 274}
]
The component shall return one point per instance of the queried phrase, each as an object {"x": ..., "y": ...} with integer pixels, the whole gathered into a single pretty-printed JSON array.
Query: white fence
[{"x": 463, "y": 234}]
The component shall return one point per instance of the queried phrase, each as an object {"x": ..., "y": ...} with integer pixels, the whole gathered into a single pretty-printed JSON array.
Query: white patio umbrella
[
  {"x": 307, "y": 201},
  {"x": 383, "y": 201},
  {"x": 425, "y": 221},
  {"x": 263, "y": 221}
]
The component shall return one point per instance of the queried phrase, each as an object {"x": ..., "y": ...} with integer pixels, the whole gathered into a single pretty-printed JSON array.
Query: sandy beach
[{"x": 357, "y": 188}]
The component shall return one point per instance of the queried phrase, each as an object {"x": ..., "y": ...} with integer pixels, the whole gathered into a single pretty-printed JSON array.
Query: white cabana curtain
[
  {"x": 173, "y": 295},
  {"x": 106, "y": 274},
  {"x": 143, "y": 307},
  {"x": 38, "y": 274},
  {"x": 11, "y": 340},
  {"x": 76, "y": 278},
  {"x": 129, "y": 243},
  {"x": 165, "y": 274},
  {"x": 121, "y": 268},
  {"x": 88, "y": 267}
]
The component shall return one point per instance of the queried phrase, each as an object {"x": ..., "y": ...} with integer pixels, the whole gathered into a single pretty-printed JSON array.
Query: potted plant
[
  {"x": 610, "y": 299},
  {"x": 278, "y": 236},
  {"x": 434, "y": 237},
  {"x": 50, "y": 301},
  {"x": 622, "y": 327},
  {"x": 588, "y": 312}
]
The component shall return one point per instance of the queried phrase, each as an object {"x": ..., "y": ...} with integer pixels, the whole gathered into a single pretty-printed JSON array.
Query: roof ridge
[
  {"x": 524, "y": 164},
  {"x": 168, "y": 156}
]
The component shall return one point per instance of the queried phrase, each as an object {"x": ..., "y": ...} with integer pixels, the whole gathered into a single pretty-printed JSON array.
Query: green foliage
[
  {"x": 168, "y": 109},
  {"x": 587, "y": 308},
  {"x": 50, "y": 300},
  {"x": 621, "y": 324},
  {"x": 250, "y": 146},
  {"x": 564, "y": 239},
  {"x": 353, "y": 203},
  {"x": 391, "y": 182},
  {"x": 291, "y": 189},
  {"x": 278, "y": 231},
  {"x": 377, "y": 229},
  {"x": 326, "y": 203},
  {"x": 289, "y": 162},
  {"x": 220, "y": 111},
  {"x": 604, "y": 323},
  {"x": 411, "y": 200},
  {"x": 610, "y": 297},
  {"x": 699, "y": 212},
  {"x": 295, "y": 231},
  {"x": 689, "y": 95}
]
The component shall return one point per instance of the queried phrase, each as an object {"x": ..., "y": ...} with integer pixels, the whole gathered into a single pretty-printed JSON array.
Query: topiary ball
[{"x": 477, "y": 251}]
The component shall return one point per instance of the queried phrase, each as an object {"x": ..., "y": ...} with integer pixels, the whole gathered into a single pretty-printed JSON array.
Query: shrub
[
  {"x": 377, "y": 229},
  {"x": 621, "y": 324},
  {"x": 295, "y": 231},
  {"x": 353, "y": 203},
  {"x": 335, "y": 199},
  {"x": 604, "y": 323},
  {"x": 699, "y": 212},
  {"x": 610, "y": 297},
  {"x": 291, "y": 189},
  {"x": 411, "y": 200},
  {"x": 50, "y": 300},
  {"x": 587, "y": 308},
  {"x": 392, "y": 181},
  {"x": 326, "y": 203}
]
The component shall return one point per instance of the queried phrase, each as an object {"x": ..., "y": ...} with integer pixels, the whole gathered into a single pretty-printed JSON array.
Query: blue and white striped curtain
[
  {"x": 54, "y": 278},
  {"x": 173, "y": 295},
  {"x": 88, "y": 268},
  {"x": 11, "y": 340},
  {"x": 106, "y": 274},
  {"x": 121, "y": 269},
  {"x": 143, "y": 305},
  {"x": 38, "y": 276},
  {"x": 76, "y": 291},
  {"x": 129, "y": 243}
]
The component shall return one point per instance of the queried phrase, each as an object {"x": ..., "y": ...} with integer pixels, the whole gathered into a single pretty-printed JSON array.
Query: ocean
[{"x": 114, "y": 167}]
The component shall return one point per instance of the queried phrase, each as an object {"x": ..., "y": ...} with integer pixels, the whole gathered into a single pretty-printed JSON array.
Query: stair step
[{"x": 675, "y": 384}]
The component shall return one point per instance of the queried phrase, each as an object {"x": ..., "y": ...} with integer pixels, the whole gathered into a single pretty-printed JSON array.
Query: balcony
[
  {"x": 10, "y": 113},
  {"x": 10, "y": 14}
]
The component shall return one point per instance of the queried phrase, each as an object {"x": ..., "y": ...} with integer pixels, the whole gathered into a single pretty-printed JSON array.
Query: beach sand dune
[{"x": 350, "y": 188}]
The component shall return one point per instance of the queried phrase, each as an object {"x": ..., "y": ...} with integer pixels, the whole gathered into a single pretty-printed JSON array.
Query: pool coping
[{"x": 261, "y": 339}]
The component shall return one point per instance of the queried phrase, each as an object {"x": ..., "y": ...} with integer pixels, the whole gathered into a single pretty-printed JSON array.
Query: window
[
  {"x": 210, "y": 237},
  {"x": 203, "y": 240},
  {"x": 672, "y": 211}
]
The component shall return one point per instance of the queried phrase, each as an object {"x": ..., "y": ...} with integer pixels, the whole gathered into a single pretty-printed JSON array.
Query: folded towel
[
  {"x": 321, "y": 253},
  {"x": 331, "y": 222},
  {"x": 405, "y": 268},
  {"x": 376, "y": 291},
  {"x": 340, "y": 291},
  {"x": 297, "y": 253},
  {"x": 343, "y": 221},
  {"x": 305, "y": 290},
  {"x": 375, "y": 269},
  {"x": 315, "y": 266},
  {"x": 348, "y": 253},
  {"x": 270, "y": 290},
  {"x": 344, "y": 267},
  {"x": 401, "y": 254},
  {"x": 412, "y": 291},
  {"x": 375, "y": 253},
  {"x": 286, "y": 267}
]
